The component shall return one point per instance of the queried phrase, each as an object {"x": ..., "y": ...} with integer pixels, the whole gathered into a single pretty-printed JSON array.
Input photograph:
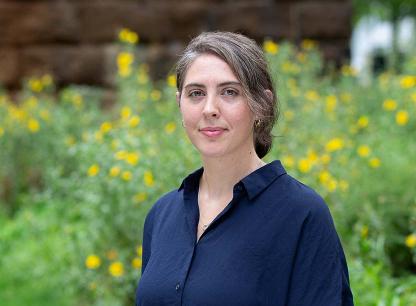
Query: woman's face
[{"x": 215, "y": 111}]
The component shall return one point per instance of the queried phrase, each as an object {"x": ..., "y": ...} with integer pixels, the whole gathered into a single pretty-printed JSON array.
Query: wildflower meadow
[{"x": 76, "y": 180}]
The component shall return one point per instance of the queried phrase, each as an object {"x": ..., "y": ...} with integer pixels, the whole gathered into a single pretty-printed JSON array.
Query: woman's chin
[{"x": 211, "y": 153}]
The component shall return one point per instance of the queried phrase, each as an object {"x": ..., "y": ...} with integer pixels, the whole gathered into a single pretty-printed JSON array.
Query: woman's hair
[{"x": 246, "y": 59}]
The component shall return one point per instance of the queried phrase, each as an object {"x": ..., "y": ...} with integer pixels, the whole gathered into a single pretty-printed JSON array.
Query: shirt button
[{"x": 177, "y": 286}]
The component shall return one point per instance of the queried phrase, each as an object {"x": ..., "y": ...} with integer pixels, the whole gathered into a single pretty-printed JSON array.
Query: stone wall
[{"x": 74, "y": 40}]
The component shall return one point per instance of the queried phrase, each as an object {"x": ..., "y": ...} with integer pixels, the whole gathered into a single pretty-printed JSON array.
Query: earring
[
  {"x": 183, "y": 123},
  {"x": 257, "y": 123}
]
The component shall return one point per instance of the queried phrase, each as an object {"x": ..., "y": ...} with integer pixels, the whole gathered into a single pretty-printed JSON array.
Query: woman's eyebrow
[
  {"x": 193, "y": 85},
  {"x": 219, "y": 85},
  {"x": 229, "y": 83}
]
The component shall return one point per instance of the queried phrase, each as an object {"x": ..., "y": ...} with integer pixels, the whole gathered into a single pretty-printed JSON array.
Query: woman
[{"x": 237, "y": 231}]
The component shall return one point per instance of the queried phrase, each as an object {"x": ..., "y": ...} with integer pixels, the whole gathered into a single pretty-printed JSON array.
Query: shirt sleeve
[
  {"x": 147, "y": 239},
  {"x": 320, "y": 273}
]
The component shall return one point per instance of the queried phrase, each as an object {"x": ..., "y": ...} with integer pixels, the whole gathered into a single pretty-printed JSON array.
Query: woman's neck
[{"x": 221, "y": 174}]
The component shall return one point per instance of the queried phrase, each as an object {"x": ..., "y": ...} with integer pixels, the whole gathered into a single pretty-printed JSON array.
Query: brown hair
[{"x": 247, "y": 61}]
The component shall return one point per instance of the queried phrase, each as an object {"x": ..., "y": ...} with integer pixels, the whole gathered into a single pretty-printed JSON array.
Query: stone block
[
  {"x": 68, "y": 64},
  {"x": 255, "y": 20},
  {"x": 322, "y": 19},
  {"x": 100, "y": 22},
  {"x": 24, "y": 22},
  {"x": 9, "y": 66}
]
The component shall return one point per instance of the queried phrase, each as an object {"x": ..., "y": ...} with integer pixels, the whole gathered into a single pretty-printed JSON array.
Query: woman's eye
[
  {"x": 195, "y": 93},
  {"x": 230, "y": 92}
]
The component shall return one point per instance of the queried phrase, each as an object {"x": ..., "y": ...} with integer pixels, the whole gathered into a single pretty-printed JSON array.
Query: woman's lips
[{"x": 212, "y": 133}]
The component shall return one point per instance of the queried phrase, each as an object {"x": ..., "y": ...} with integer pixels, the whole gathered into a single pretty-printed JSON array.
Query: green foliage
[
  {"x": 386, "y": 9},
  {"x": 76, "y": 182}
]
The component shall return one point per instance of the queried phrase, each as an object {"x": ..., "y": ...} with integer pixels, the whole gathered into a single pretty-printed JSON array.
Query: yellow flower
[
  {"x": 35, "y": 85},
  {"x": 408, "y": 81},
  {"x": 124, "y": 60},
  {"x": 155, "y": 95},
  {"x": 348, "y": 70},
  {"x": 140, "y": 197},
  {"x": 362, "y": 122},
  {"x": 331, "y": 185},
  {"x": 324, "y": 176},
  {"x": 312, "y": 156},
  {"x": 139, "y": 250},
  {"x": 120, "y": 155},
  {"x": 128, "y": 36},
  {"x": 402, "y": 117},
  {"x": 170, "y": 127},
  {"x": 132, "y": 158},
  {"x": 125, "y": 112},
  {"x": 308, "y": 44},
  {"x": 331, "y": 103},
  {"x": 411, "y": 241},
  {"x": 111, "y": 254},
  {"x": 270, "y": 46},
  {"x": 389, "y": 105},
  {"x": 136, "y": 263},
  {"x": 134, "y": 121},
  {"x": 364, "y": 231},
  {"x": 92, "y": 261},
  {"x": 288, "y": 161},
  {"x": 312, "y": 95},
  {"x": 33, "y": 125},
  {"x": 304, "y": 165},
  {"x": 115, "y": 171},
  {"x": 171, "y": 80},
  {"x": 70, "y": 141},
  {"x": 93, "y": 170},
  {"x": 116, "y": 269},
  {"x": 363, "y": 150},
  {"x": 106, "y": 127},
  {"x": 334, "y": 144},
  {"x": 148, "y": 179},
  {"x": 126, "y": 175},
  {"x": 374, "y": 162}
]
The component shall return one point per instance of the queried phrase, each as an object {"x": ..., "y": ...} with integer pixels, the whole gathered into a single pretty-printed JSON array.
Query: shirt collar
[{"x": 254, "y": 183}]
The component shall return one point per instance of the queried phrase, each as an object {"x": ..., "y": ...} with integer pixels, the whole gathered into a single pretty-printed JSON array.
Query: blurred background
[{"x": 90, "y": 134}]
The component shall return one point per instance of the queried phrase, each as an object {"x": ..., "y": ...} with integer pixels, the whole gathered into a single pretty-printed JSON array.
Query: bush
[{"x": 76, "y": 182}]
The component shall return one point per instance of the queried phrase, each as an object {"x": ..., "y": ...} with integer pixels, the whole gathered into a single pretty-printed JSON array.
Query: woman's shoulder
[
  {"x": 164, "y": 200},
  {"x": 302, "y": 197}
]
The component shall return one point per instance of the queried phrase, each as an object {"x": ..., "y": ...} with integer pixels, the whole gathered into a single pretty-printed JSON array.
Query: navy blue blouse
[{"x": 275, "y": 244}]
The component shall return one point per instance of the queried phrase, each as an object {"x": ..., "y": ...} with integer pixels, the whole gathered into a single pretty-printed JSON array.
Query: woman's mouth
[{"x": 212, "y": 132}]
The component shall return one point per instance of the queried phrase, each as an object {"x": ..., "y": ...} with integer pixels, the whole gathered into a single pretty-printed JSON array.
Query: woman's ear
[
  {"x": 178, "y": 98},
  {"x": 269, "y": 94}
]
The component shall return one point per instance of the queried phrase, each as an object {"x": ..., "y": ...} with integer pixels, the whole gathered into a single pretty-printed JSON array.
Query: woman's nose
[{"x": 211, "y": 107}]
